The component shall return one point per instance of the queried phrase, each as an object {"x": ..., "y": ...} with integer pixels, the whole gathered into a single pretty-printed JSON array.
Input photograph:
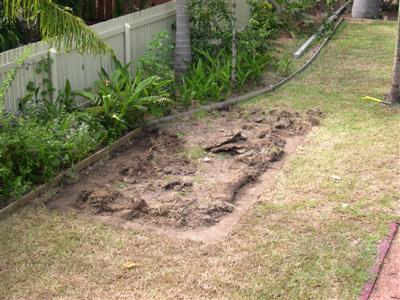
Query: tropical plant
[
  {"x": 120, "y": 101},
  {"x": 40, "y": 100},
  {"x": 250, "y": 67},
  {"x": 209, "y": 79},
  {"x": 183, "y": 50},
  {"x": 9, "y": 33},
  {"x": 58, "y": 26}
]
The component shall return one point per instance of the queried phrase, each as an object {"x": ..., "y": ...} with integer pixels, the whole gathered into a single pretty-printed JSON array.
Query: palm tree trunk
[
  {"x": 394, "y": 94},
  {"x": 366, "y": 9},
  {"x": 234, "y": 45},
  {"x": 183, "y": 51}
]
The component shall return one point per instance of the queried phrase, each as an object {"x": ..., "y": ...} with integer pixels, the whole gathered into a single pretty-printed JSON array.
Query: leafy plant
[
  {"x": 262, "y": 27},
  {"x": 39, "y": 100},
  {"x": 250, "y": 67},
  {"x": 211, "y": 25},
  {"x": 32, "y": 151},
  {"x": 284, "y": 65},
  {"x": 208, "y": 79},
  {"x": 4, "y": 86},
  {"x": 121, "y": 101},
  {"x": 157, "y": 60},
  {"x": 296, "y": 16},
  {"x": 58, "y": 26}
]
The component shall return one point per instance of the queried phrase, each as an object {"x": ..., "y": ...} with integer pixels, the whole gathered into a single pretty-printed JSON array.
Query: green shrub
[
  {"x": 39, "y": 102},
  {"x": 250, "y": 67},
  {"x": 283, "y": 65},
  {"x": 121, "y": 101},
  {"x": 210, "y": 25},
  {"x": 32, "y": 152},
  {"x": 209, "y": 79},
  {"x": 296, "y": 16},
  {"x": 262, "y": 27}
]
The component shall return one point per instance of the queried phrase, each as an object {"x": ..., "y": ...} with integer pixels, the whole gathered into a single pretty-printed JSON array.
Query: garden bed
[{"x": 187, "y": 175}]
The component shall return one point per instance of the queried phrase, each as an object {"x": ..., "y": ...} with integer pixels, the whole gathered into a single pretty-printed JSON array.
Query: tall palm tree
[
  {"x": 394, "y": 93},
  {"x": 183, "y": 51},
  {"x": 58, "y": 26},
  {"x": 366, "y": 9}
]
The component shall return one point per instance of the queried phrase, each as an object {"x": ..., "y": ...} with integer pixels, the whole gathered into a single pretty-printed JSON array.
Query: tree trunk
[
  {"x": 234, "y": 45},
  {"x": 183, "y": 51},
  {"x": 394, "y": 93},
  {"x": 366, "y": 9}
]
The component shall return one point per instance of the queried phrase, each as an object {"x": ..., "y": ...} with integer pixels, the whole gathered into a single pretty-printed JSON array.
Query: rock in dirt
[
  {"x": 248, "y": 127},
  {"x": 230, "y": 143},
  {"x": 137, "y": 207},
  {"x": 135, "y": 168},
  {"x": 282, "y": 119},
  {"x": 232, "y": 148},
  {"x": 98, "y": 200},
  {"x": 292, "y": 122},
  {"x": 220, "y": 207},
  {"x": 264, "y": 133},
  {"x": 178, "y": 185},
  {"x": 314, "y": 116},
  {"x": 226, "y": 191}
]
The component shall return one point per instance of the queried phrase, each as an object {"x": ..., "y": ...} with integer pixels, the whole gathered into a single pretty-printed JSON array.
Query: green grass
[{"x": 311, "y": 237}]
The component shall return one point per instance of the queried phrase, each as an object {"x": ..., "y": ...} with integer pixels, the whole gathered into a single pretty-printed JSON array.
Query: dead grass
[{"x": 311, "y": 236}]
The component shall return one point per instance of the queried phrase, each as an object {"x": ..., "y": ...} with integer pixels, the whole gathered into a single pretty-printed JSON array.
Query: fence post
[
  {"x": 128, "y": 56},
  {"x": 53, "y": 73}
]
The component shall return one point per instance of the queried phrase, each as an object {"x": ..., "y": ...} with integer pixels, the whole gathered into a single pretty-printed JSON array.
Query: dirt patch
[
  {"x": 187, "y": 175},
  {"x": 98, "y": 201}
]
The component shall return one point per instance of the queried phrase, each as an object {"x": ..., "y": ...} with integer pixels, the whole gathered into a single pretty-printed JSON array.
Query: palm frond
[
  {"x": 58, "y": 26},
  {"x": 65, "y": 31},
  {"x": 26, "y": 9}
]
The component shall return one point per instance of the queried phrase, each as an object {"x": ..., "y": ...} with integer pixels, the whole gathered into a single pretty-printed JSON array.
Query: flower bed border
[
  {"x": 383, "y": 251},
  {"x": 39, "y": 191}
]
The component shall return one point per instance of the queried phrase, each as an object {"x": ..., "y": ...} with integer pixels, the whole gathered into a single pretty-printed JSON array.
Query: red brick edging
[{"x": 383, "y": 250}]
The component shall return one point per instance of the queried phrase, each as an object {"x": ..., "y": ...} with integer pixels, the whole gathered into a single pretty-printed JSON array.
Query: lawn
[{"x": 311, "y": 236}]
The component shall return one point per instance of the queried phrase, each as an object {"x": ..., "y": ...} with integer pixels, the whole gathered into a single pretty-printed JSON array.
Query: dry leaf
[{"x": 130, "y": 265}]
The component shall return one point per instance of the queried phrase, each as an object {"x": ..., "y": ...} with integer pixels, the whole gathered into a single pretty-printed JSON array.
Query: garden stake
[{"x": 369, "y": 98}]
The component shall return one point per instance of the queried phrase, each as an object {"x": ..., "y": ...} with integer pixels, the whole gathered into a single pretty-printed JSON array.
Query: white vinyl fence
[{"x": 128, "y": 36}]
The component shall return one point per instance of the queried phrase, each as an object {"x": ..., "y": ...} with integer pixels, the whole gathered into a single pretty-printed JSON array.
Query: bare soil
[
  {"x": 187, "y": 176},
  {"x": 388, "y": 283}
]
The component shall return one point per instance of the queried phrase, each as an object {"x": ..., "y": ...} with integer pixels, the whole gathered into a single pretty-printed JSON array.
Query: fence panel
[
  {"x": 25, "y": 74},
  {"x": 137, "y": 29}
]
